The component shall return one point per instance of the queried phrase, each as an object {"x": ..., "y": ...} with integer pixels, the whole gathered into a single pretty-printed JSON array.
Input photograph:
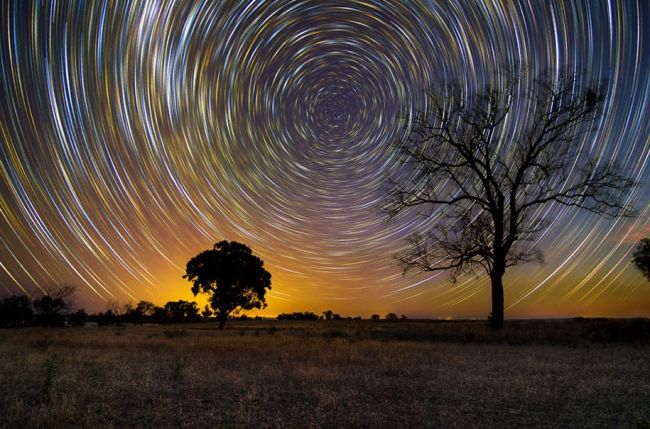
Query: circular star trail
[{"x": 135, "y": 136}]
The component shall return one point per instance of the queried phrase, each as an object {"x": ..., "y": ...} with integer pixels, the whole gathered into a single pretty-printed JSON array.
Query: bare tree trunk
[
  {"x": 222, "y": 320},
  {"x": 496, "y": 277}
]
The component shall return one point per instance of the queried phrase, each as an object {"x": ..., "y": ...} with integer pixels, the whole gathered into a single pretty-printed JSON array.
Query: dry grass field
[{"x": 327, "y": 374}]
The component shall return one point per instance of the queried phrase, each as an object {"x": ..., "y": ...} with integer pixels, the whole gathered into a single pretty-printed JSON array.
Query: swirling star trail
[{"x": 136, "y": 134}]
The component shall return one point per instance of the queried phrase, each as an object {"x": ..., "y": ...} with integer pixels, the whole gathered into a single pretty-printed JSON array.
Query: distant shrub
[
  {"x": 374, "y": 317},
  {"x": 390, "y": 316}
]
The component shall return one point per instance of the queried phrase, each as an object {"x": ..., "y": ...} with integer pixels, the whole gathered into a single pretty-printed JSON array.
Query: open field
[{"x": 338, "y": 374}]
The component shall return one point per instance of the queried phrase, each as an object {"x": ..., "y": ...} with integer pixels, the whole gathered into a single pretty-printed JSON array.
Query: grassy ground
[{"x": 318, "y": 374}]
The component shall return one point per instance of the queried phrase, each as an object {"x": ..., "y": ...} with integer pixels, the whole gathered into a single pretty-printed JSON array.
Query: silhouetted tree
[
  {"x": 328, "y": 314},
  {"x": 374, "y": 317},
  {"x": 49, "y": 311},
  {"x": 487, "y": 168},
  {"x": 234, "y": 278},
  {"x": 52, "y": 308},
  {"x": 78, "y": 318},
  {"x": 116, "y": 314},
  {"x": 391, "y": 316},
  {"x": 16, "y": 311},
  {"x": 128, "y": 314},
  {"x": 159, "y": 315},
  {"x": 143, "y": 312},
  {"x": 182, "y": 312},
  {"x": 206, "y": 313},
  {"x": 106, "y": 318},
  {"x": 641, "y": 257},
  {"x": 145, "y": 308}
]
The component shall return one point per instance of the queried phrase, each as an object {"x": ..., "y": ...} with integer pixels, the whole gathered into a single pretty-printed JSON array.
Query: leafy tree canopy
[
  {"x": 641, "y": 257},
  {"x": 234, "y": 278}
]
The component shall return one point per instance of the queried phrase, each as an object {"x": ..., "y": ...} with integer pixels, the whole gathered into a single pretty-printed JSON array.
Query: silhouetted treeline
[
  {"x": 48, "y": 310},
  {"x": 56, "y": 310},
  {"x": 16, "y": 311},
  {"x": 51, "y": 310},
  {"x": 146, "y": 312},
  {"x": 330, "y": 315},
  {"x": 304, "y": 315}
]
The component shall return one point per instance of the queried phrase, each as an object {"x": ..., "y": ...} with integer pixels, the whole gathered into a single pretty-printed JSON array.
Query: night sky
[{"x": 134, "y": 136}]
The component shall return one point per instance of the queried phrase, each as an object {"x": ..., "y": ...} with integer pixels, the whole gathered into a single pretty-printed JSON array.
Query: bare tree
[{"x": 484, "y": 168}]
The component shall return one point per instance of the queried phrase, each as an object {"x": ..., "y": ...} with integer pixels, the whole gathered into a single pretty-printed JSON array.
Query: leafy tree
[
  {"x": 328, "y": 314},
  {"x": 145, "y": 308},
  {"x": 206, "y": 313},
  {"x": 232, "y": 276},
  {"x": 182, "y": 311},
  {"x": 53, "y": 306},
  {"x": 106, "y": 318},
  {"x": 16, "y": 311},
  {"x": 391, "y": 316},
  {"x": 159, "y": 315},
  {"x": 374, "y": 317},
  {"x": 641, "y": 257},
  {"x": 78, "y": 318},
  {"x": 488, "y": 167},
  {"x": 128, "y": 314},
  {"x": 49, "y": 311},
  {"x": 142, "y": 312}
]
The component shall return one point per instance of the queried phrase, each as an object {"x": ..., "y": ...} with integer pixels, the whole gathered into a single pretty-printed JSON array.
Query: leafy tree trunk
[{"x": 222, "y": 319}]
